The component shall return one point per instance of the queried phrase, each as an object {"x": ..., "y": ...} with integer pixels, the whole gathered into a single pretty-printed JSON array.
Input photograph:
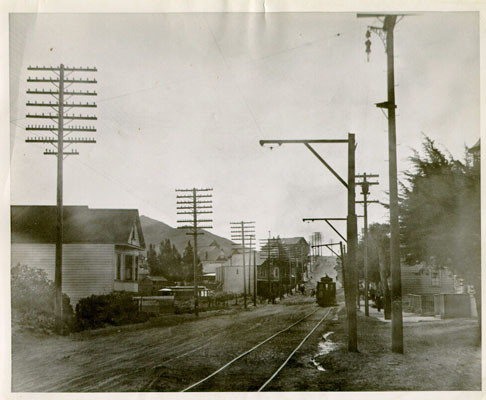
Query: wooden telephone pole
[
  {"x": 386, "y": 34},
  {"x": 239, "y": 232},
  {"x": 365, "y": 191},
  {"x": 56, "y": 85},
  {"x": 269, "y": 254},
  {"x": 194, "y": 204}
]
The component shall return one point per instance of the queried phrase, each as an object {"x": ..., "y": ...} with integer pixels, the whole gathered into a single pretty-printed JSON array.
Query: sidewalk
[
  {"x": 407, "y": 317},
  {"x": 438, "y": 355}
]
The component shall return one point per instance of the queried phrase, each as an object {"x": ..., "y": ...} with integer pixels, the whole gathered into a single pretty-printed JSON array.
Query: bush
[
  {"x": 97, "y": 311},
  {"x": 33, "y": 297}
]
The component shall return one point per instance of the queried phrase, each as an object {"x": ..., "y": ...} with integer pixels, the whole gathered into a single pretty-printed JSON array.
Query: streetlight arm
[{"x": 326, "y": 164}]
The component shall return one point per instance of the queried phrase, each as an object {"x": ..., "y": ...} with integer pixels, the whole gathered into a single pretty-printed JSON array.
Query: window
[
  {"x": 128, "y": 267},
  {"x": 435, "y": 279},
  {"x": 136, "y": 268},
  {"x": 118, "y": 266}
]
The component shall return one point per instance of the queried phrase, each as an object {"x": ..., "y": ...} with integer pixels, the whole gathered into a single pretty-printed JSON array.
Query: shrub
[
  {"x": 97, "y": 311},
  {"x": 33, "y": 297}
]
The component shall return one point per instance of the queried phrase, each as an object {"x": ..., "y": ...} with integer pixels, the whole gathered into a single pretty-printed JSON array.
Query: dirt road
[{"x": 164, "y": 359}]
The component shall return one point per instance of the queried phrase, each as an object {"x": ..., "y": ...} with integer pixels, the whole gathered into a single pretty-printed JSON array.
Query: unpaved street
[{"x": 165, "y": 358}]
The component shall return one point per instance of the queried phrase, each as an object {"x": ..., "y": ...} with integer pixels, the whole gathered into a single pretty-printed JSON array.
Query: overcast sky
[{"x": 183, "y": 100}]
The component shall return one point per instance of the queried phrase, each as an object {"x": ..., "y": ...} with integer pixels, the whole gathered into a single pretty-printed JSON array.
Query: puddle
[
  {"x": 325, "y": 347},
  {"x": 318, "y": 366}
]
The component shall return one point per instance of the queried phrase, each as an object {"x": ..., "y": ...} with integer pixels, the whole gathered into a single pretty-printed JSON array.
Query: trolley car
[{"x": 326, "y": 292}]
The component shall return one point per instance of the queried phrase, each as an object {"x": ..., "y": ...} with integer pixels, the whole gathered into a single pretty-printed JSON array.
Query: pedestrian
[{"x": 379, "y": 297}]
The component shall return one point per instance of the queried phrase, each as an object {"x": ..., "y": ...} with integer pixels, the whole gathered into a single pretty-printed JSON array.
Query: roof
[
  {"x": 211, "y": 254},
  {"x": 476, "y": 147},
  {"x": 236, "y": 260},
  {"x": 293, "y": 240},
  {"x": 37, "y": 224},
  {"x": 157, "y": 278}
]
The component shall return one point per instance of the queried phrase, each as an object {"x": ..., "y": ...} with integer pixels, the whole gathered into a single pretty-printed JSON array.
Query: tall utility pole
[
  {"x": 193, "y": 203},
  {"x": 365, "y": 191},
  {"x": 386, "y": 34},
  {"x": 61, "y": 128},
  {"x": 268, "y": 252},
  {"x": 352, "y": 230},
  {"x": 239, "y": 232},
  {"x": 253, "y": 249}
]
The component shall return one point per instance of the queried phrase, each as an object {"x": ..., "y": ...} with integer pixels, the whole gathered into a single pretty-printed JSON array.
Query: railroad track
[
  {"x": 268, "y": 339},
  {"x": 112, "y": 378}
]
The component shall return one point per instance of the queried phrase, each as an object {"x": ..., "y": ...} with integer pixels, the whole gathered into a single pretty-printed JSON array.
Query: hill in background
[{"x": 155, "y": 232}]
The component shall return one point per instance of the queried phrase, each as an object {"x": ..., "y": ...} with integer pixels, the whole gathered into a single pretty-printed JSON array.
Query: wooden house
[
  {"x": 420, "y": 280},
  {"x": 212, "y": 257},
  {"x": 102, "y": 248},
  {"x": 230, "y": 274},
  {"x": 421, "y": 284}
]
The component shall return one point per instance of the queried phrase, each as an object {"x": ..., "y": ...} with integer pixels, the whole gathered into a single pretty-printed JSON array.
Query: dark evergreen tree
[
  {"x": 440, "y": 213},
  {"x": 188, "y": 262},
  {"x": 153, "y": 261}
]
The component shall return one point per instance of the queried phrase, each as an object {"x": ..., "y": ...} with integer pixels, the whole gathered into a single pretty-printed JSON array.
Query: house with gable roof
[
  {"x": 212, "y": 256},
  {"x": 102, "y": 248}
]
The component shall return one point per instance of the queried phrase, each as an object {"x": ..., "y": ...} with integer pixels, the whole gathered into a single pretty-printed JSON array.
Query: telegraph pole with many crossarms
[
  {"x": 241, "y": 231},
  {"x": 59, "y": 132},
  {"x": 192, "y": 203},
  {"x": 365, "y": 191}
]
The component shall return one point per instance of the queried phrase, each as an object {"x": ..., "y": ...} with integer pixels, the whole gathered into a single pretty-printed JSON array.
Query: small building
[
  {"x": 102, "y": 248},
  {"x": 420, "y": 279},
  {"x": 420, "y": 285},
  {"x": 475, "y": 151},
  {"x": 230, "y": 274},
  {"x": 298, "y": 251}
]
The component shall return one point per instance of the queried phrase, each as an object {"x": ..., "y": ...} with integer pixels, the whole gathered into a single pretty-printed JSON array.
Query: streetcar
[{"x": 326, "y": 292}]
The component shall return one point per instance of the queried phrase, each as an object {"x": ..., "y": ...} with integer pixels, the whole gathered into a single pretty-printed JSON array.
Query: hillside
[{"x": 155, "y": 232}]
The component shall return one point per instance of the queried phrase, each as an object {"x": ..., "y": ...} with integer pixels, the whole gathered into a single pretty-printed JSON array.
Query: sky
[{"x": 183, "y": 100}]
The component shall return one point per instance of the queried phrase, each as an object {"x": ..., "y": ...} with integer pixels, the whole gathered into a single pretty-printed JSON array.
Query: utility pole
[
  {"x": 239, "y": 232},
  {"x": 194, "y": 204},
  {"x": 352, "y": 230},
  {"x": 365, "y": 191},
  {"x": 268, "y": 253},
  {"x": 60, "y": 129},
  {"x": 386, "y": 34},
  {"x": 255, "y": 285},
  {"x": 352, "y": 241}
]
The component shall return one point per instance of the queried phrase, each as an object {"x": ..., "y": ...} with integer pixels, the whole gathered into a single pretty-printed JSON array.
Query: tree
[
  {"x": 175, "y": 267},
  {"x": 153, "y": 261},
  {"x": 188, "y": 263},
  {"x": 166, "y": 263},
  {"x": 170, "y": 260},
  {"x": 379, "y": 243},
  {"x": 440, "y": 214}
]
